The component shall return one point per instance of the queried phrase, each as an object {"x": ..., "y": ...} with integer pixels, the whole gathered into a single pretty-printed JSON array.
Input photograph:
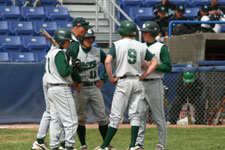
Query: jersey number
[
  {"x": 93, "y": 74},
  {"x": 132, "y": 56}
]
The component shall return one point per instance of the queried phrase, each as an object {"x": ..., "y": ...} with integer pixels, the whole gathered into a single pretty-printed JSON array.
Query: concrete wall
[{"x": 190, "y": 48}]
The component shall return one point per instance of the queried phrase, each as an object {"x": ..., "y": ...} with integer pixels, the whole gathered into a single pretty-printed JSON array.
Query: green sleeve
[
  {"x": 165, "y": 59},
  {"x": 105, "y": 75},
  {"x": 62, "y": 66},
  {"x": 76, "y": 77},
  {"x": 73, "y": 49},
  {"x": 148, "y": 55},
  {"x": 112, "y": 51}
]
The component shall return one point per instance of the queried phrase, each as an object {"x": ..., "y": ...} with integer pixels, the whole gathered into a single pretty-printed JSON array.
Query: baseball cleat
[
  {"x": 139, "y": 147},
  {"x": 37, "y": 146},
  {"x": 83, "y": 147},
  {"x": 110, "y": 147},
  {"x": 99, "y": 148},
  {"x": 160, "y": 147}
]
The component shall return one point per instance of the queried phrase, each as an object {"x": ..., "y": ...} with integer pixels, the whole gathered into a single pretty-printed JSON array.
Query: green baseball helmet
[
  {"x": 61, "y": 35},
  {"x": 90, "y": 33},
  {"x": 152, "y": 27},
  {"x": 127, "y": 28},
  {"x": 189, "y": 77}
]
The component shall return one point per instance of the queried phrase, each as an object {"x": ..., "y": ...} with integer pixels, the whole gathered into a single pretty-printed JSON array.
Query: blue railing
[{"x": 191, "y": 22}]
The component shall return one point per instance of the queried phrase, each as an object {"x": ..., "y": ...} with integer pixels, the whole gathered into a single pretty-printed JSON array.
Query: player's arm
[
  {"x": 73, "y": 49},
  {"x": 62, "y": 66},
  {"x": 111, "y": 55},
  {"x": 153, "y": 64},
  {"x": 103, "y": 57},
  {"x": 165, "y": 59}
]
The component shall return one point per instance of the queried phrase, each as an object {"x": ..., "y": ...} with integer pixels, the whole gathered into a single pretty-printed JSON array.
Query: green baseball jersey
[
  {"x": 129, "y": 55},
  {"x": 90, "y": 60},
  {"x": 54, "y": 73}
]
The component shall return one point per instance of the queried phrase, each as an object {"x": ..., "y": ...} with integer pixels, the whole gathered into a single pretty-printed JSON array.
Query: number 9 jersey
[{"x": 129, "y": 55}]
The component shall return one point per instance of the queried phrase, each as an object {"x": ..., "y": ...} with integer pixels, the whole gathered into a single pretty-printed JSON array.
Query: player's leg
[
  {"x": 143, "y": 110},
  {"x": 133, "y": 109},
  {"x": 98, "y": 108},
  {"x": 55, "y": 129},
  {"x": 154, "y": 91},
  {"x": 81, "y": 100},
  {"x": 119, "y": 104},
  {"x": 45, "y": 120},
  {"x": 65, "y": 106}
]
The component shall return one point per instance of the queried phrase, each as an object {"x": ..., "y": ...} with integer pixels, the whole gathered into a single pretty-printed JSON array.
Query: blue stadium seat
[
  {"x": 41, "y": 56},
  {"x": 195, "y": 3},
  {"x": 191, "y": 12},
  {"x": 221, "y": 2},
  {"x": 48, "y": 3},
  {"x": 150, "y": 2},
  {"x": 4, "y": 28},
  {"x": 11, "y": 43},
  {"x": 21, "y": 27},
  {"x": 186, "y": 3},
  {"x": 4, "y": 57},
  {"x": 23, "y": 56},
  {"x": 57, "y": 13},
  {"x": 126, "y": 5},
  {"x": 50, "y": 27},
  {"x": 64, "y": 24},
  {"x": 33, "y": 13},
  {"x": 35, "y": 43},
  {"x": 141, "y": 14},
  {"x": 10, "y": 13},
  {"x": 5, "y": 2}
]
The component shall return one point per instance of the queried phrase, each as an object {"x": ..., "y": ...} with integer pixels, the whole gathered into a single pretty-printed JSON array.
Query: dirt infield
[{"x": 94, "y": 126}]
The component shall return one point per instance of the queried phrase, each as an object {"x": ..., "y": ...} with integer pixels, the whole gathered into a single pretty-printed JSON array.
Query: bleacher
[
  {"x": 20, "y": 38},
  {"x": 136, "y": 9}
]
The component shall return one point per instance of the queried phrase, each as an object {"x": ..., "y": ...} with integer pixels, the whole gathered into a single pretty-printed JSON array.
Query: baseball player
[
  {"x": 39, "y": 144},
  {"x": 62, "y": 105},
  {"x": 153, "y": 87},
  {"x": 90, "y": 57},
  {"x": 128, "y": 56}
]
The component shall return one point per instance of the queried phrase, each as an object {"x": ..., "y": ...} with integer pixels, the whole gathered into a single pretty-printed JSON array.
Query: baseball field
[{"x": 179, "y": 138}]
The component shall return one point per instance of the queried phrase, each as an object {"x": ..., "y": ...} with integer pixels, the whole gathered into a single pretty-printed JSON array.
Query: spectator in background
[
  {"x": 190, "y": 87},
  {"x": 170, "y": 6},
  {"x": 180, "y": 29},
  {"x": 26, "y": 3},
  {"x": 204, "y": 16},
  {"x": 216, "y": 14},
  {"x": 163, "y": 21}
]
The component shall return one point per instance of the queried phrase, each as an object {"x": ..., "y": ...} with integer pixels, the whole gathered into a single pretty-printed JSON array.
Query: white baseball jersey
[
  {"x": 52, "y": 75},
  {"x": 130, "y": 55},
  {"x": 155, "y": 49},
  {"x": 90, "y": 64}
]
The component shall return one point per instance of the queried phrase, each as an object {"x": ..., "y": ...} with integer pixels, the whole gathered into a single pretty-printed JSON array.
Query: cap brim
[
  {"x": 188, "y": 80},
  {"x": 87, "y": 26}
]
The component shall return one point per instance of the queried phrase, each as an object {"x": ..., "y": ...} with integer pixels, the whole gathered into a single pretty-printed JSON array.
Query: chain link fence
[{"x": 195, "y": 98}]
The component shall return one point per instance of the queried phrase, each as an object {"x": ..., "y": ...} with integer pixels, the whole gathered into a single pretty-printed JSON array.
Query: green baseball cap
[
  {"x": 80, "y": 21},
  {"x": 189, "y": 77}
]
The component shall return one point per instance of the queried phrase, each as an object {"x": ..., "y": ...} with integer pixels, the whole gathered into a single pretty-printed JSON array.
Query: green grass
[{"x": 177, "y": 139}]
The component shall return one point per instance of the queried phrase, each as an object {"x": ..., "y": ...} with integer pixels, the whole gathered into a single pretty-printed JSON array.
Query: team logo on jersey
[{"x": 88, "y": 65}]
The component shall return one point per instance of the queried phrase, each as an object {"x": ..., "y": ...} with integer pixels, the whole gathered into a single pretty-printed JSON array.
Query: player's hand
[
  {"x": 77, "y": 86},
  {"x": 141, "y": 78},
  {"x": 114, "y": 80},
  {"x": 99, "y": 83}
]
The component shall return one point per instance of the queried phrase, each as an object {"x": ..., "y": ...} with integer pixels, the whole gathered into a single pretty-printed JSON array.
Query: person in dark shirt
[
  {"x": 179, "y": 13},
  {"x": 162, "y": 20},
  {"x": 188, "y": 87},
  {"x": 170, "y": 6}
]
